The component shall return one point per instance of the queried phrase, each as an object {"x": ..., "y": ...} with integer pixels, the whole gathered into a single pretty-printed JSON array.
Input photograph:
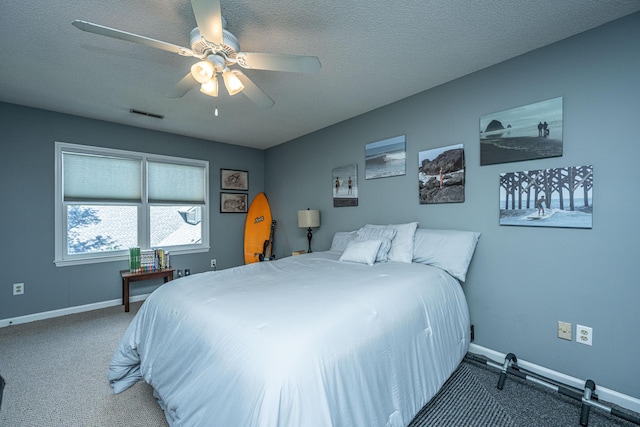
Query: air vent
[{"x": 144, "y": 113}]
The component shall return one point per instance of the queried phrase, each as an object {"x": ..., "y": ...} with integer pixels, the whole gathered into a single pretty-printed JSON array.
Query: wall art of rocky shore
[{"x": 452, "y": 191}]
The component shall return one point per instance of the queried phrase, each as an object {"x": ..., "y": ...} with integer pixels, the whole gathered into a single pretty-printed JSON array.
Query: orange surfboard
[{"x": 257, "y": 228}]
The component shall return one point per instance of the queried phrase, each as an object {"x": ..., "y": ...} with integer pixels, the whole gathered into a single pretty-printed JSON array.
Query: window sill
[{"x": 114, "y": 258}]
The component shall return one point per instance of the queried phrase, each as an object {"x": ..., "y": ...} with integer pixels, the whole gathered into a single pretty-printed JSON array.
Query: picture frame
[
  {"x": 441, "y": 175},
  {"x": 528, "y": 132},
  {"x": 233, "y": 202},
  {"x": 231, "y": 179},
  {"x": 386, "y": 158},
  {"x": 344, "y": 182},
  {"x": 557, "y": 197}
]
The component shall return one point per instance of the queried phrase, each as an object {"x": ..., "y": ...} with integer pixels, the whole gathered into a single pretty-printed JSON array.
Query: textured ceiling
[{"x": 363, "y": 47}]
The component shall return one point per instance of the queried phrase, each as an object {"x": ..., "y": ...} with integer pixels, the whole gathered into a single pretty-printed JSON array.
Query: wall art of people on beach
[
  {"x": 345, "y": 185},
  {"x": 386, "y": 158},
  {"x": 441, "y": 175},
  {"x": 561, "y": 197},
  {"x": 533, "y": 131}
]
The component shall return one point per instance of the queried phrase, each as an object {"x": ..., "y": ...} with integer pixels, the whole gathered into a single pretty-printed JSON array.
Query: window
[{"x": 110, "y": 200}]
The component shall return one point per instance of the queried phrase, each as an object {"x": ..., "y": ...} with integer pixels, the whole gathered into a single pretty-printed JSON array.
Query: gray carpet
[
  {"x": 462, "y": 401},
  {"x": 56, "y": 376}
]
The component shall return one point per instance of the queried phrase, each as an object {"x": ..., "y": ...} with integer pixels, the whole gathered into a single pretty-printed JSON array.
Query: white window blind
[
  {"x": 100, "y": 178},
  {"x": 175, "y": 183}
]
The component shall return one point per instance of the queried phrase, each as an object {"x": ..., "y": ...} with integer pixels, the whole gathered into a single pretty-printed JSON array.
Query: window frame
[{"x": 63, "y": 258}]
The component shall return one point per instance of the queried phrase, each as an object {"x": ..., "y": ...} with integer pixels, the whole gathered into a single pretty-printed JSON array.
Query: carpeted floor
[
  {"x": 56, "y": 376},
  {"x": 462, "y": 401}
]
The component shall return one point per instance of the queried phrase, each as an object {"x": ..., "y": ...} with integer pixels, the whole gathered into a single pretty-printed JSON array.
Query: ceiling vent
[{"x": 144, "y": 113}]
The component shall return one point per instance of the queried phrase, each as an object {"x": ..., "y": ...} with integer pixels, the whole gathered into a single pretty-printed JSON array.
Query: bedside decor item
[
  {"x": 233, "y": 203},
  {"x": 309, "y": 219},
  {"x": 386, "y": 158},
  {"x": 561, "y": 197},
  {"x": 234, "y": 180},
  {"x": 529, "y": 132}
]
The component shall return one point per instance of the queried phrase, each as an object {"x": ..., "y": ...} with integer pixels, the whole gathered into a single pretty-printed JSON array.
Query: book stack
[{"x": 141, "y": 261}]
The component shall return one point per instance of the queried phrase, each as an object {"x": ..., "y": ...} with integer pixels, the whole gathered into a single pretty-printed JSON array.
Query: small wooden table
[{"x": 127, "y": 276}]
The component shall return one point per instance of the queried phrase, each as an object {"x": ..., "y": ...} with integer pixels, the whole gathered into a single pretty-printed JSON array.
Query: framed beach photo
[
  {"x": 344, "y": 180},
  {"x": 233, "y": 202},
  {"x": 386, "y": 158},
  {"x": 441, "y": 175},
  {"x": 529, "y": 132},
  {"x": 560, "y": 197},
  {"x": 234, "y": 180}
]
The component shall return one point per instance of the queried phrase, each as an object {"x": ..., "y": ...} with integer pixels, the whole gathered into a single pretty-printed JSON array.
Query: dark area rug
[{"x": 462, "y": 401}]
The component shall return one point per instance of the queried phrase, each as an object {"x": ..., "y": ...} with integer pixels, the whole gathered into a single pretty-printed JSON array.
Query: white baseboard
[
  {"x": 603, "y": 393},
  {"x": 65, "y": 311}
]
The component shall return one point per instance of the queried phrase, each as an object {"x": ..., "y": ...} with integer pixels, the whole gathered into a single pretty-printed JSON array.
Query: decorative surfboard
[{"x": 257, "y": 229}]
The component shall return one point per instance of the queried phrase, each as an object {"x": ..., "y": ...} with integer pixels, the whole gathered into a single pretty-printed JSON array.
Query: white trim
[
  {"x": 603, "y": 393},
  {"x": 62, "y": 259},
  {"x": 70, "y": 310},
  {"x": 90, "y": 260}
]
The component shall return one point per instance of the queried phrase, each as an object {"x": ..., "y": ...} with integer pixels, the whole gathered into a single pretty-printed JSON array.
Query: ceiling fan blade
[
  {"x": 253, "y": 92},
  {"x": 130, "y": 37},
  {"x": 184, "y": 85},
  {"x": 209, "y": 18},
  {"x": 276, "y": 62}
]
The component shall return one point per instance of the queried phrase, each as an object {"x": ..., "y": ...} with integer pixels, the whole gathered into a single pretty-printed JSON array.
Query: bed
[{"x": 312, "y": 340}]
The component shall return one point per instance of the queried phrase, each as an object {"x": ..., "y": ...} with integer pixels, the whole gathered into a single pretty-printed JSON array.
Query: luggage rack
[{"x": 587, "y": 396}]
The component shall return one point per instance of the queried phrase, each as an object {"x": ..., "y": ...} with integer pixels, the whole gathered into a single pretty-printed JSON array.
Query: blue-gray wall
[
  {"x": 27, "y": 207},
  {"x": 522, "y": 279}
]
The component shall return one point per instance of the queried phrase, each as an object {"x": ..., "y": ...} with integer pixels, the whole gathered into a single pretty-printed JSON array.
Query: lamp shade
[
  {"x": 210, "y": 87},
  {"x": 232, "y": 82},
  {"x": 308, "y": 218},
  {"x": 202, "y": 71}
]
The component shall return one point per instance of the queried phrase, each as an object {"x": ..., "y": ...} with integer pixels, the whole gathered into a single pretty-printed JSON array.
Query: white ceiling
[{"x": 373, "y": 52}]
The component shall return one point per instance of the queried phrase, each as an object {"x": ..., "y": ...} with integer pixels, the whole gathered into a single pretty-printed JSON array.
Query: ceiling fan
[{"x": 217, "y": 49}]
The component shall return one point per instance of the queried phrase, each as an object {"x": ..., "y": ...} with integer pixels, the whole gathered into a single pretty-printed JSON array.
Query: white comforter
[{"x": 303, "y": 341}]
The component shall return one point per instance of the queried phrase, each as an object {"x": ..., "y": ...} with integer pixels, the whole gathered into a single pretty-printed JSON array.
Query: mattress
[{"x": 302, "y": 341}]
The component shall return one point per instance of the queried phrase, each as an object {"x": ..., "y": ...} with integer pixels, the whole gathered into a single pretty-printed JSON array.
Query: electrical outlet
[
  {"x": 18, "y": 288},
  {"x": 213, "y": 264},
  {"x": 564, "y": 330},
  {"x": 584, "y": 335}
]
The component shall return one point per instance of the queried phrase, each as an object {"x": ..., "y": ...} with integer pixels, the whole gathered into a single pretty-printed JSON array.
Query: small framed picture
[
  {"x": 233, "y": 203},
  {"x": 234, "y": 180}
]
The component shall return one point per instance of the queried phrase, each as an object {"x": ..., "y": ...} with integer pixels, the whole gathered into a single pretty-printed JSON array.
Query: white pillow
[
  {"x": 341, "y": 239},
  {"x": 450, "y": 250},
  {"x": 363, "y": 251},
  {"x": 401, "y": 245},
  {"x": 385, "y": 235}
]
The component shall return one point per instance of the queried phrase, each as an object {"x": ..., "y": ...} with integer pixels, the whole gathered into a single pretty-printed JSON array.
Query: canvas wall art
[
  {"x": 386, "y": 158},
  {"x": 533, "y": 131},
  {"x": 345, "y": 186},
  {"x": 441, "y": 175},
  {"x": 561, "y": 197}
]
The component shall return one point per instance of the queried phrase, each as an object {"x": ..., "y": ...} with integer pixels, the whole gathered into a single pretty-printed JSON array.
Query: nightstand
[{"x": 127, "y": 277}]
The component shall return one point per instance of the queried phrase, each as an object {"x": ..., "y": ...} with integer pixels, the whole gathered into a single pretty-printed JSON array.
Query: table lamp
[{"x": 309, "y": 219}]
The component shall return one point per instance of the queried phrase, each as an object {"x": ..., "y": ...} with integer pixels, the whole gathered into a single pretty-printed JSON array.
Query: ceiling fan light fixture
[
  {"x": 210, "y": 87},
  {"x": 202, "y": 71},
  {"x": 232, "y": 82}
]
